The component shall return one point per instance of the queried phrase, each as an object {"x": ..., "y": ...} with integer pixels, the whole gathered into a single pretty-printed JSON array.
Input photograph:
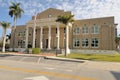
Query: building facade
[{"x": 87, "y": 34}]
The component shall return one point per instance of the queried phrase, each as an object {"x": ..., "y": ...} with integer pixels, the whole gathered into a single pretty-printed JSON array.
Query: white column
[
  {"x": 49, "y": 37},
  {"x": 58, "y": 37},
  {"x": 26, "y": 41},
  {"x": 34, "y": 36},
  {"x": 67, "y": 40},
  {"x": 41, "y": 38}
]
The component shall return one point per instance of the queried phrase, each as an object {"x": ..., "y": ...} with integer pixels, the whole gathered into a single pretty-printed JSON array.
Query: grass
[{"x": 95, "y": 57}]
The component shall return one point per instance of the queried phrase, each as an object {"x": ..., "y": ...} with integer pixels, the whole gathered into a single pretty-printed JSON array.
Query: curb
[
  {"x": 16, "y": 54},
  {"x": 45, "y": 57},
  {"x": 65, "y": 59}
]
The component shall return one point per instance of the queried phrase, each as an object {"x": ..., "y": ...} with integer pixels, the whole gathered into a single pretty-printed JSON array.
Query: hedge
[{"x": 35, "y": 50}]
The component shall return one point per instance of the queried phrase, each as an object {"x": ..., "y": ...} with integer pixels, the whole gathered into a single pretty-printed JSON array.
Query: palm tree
[
  {"x": 66, "y": 20},
  {"x": 5, "y": 25},
  {"x": 16, "y": 12}
]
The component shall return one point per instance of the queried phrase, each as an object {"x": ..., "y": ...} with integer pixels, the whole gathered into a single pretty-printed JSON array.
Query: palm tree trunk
[
  {"x": 14, "y": 31},
  {"x": 4, "y": 40}
]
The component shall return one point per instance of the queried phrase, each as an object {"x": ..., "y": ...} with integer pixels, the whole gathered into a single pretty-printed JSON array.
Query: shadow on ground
[
  {"x": 116, "y": 75},
  {"x": 64, "y": 60},
  {"x": 5, "y": 55}
]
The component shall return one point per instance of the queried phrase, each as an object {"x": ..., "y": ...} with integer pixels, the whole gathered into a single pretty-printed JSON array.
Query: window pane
[
  {"x": 76, "y": 30},
  {"x": 95, "y": 42},
  {"x": 84, "y": 42},
  {"x": 95, "y": 29},
  {"x": 76, "y": 42},
  {"x": 85, "y": 29}
]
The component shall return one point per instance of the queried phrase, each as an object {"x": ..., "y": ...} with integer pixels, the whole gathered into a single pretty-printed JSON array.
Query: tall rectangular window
[
  {"x": 56, "y": 30},
  {"x": 84, "y": 42},
  {"x": 94, "y": 42},
  {"x": 84, "y": 30},
  {"x": 76, "y": 42},
  {"x": 95, "y": 29},
  {"x": 76, "y": 30},
  {"x": 21, "y": 43},
  {"x": 65, "y": 30}
]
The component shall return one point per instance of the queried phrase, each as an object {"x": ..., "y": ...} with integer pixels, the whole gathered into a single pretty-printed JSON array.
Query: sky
[{"x": 82, "y": 9}]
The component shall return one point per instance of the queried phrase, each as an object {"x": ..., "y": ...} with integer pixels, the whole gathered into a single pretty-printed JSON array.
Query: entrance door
[{"x": 46, "y": 43}]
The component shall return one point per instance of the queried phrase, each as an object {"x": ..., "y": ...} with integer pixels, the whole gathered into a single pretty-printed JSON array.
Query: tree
[
  {"x": 67, "y": 20},
  {"x": 5, "y": 25},
  {"x": 15, "y": 11}
]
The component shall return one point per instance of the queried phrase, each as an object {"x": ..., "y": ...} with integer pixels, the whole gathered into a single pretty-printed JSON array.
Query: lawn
[{"x": 95, "y": 57}]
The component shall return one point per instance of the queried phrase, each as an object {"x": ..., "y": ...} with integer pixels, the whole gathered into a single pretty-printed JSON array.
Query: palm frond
[
  {"x": 15, "y": 10},
  {"x": 5, "y": 25},
  {"x": 65, "y": 19}
]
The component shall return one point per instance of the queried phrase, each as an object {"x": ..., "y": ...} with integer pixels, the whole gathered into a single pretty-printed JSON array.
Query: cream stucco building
[{"x": 86, "y": 34}]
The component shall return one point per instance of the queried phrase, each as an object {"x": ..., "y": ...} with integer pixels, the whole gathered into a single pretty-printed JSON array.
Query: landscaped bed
[{"x": 95, "y": 57}]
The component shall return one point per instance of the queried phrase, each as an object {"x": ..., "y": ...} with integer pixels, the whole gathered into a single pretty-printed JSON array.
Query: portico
[{"x": 45, "y": 37}]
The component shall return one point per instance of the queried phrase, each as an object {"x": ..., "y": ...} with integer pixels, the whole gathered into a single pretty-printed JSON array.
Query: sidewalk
[{"x": 23, "y": 54}]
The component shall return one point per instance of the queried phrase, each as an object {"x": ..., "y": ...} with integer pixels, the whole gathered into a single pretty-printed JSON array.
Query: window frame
[
  {"x": 95, "y": 29},
  {"x": 95, "y": 43},
  {"x": 85, "y": 30},
  {"x": 76, "y": 44},
  {"x": 76, "y": 30},
  {"x": 85, "y": 40}
]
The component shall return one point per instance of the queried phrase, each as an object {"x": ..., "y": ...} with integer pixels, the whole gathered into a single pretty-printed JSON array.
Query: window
[
  {"x": 76, "y": 42},
  {"x": 94, "y": 42},
  {"x": 56, "y": 30},
  {"x": 49, "y": 15},
  {"x": 84, "y": 30},
  {"x": 95, "y": 29},
  {"x": 22, "y": 33},
  {"x": 36, "y": 31},
  {"x": 76, "y": 30},
  {"x": 19, "y": 34},
  {"x": 29, "y": 34},
  {"x": 84, "y": 42},
  {"x": 64, "y": 30},
  {"x": 29, "y": 42},
  {"x": 21, "y": 43}
]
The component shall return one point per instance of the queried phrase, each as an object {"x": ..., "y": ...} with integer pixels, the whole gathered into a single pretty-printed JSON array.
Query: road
[{"x": 38, "y": 68}]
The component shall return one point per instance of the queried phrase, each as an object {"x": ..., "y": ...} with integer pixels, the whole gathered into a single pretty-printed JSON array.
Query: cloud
[
  {"x": 3, "y": 3},
  {"x": 82, "y": 9}
]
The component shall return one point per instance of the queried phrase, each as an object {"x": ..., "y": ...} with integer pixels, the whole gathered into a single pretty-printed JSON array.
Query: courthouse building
[{"x": 86, "y": 34}]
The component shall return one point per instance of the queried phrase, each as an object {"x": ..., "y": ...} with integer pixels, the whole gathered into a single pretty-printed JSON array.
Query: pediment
[{"x": 51, "y": 13}]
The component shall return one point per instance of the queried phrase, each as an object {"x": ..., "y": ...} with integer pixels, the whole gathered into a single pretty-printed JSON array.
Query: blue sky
[{"x": 82, "y": 9}]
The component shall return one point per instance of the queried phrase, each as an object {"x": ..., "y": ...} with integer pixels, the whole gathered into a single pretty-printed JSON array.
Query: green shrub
[{"x": 35, "y": 50}]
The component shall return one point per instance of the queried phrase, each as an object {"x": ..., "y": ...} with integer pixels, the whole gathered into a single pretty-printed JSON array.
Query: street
[{"x": 37, "y": 68}]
